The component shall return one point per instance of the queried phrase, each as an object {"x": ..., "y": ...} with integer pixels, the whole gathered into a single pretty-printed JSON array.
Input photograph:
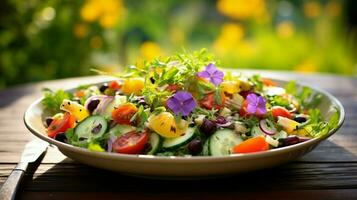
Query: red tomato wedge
[
  {"x": 131, "y": 143},
  {"x": 277, "y": 111},
  {"x": 124, "y": 113},
  {"x": 209, "y": 101},
  {"x": 252, "y": 145},
  {"x": 61, "y": 125},
  {"x": 114, "y": 85}
]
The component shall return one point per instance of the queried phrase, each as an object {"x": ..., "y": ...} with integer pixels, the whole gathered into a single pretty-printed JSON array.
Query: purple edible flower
[
  {"x": 212, "y": 73},
  {"x": 182, "y": 102},
  {"x": 256, "y": 104}
]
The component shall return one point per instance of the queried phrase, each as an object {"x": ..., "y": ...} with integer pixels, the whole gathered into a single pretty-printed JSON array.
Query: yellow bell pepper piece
[
  {"x": 230, "y": 87},
  {"x": 133, "y": 86},
  {"x": 165, "y": 125},
  {"x": 76, "y": 109}
]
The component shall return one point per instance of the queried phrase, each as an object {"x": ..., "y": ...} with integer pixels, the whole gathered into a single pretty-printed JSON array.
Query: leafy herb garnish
[{"x": 52, "y": 100}]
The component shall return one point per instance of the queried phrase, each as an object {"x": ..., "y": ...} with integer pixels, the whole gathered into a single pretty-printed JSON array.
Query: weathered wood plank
[
  {"x": 247, "y": 195},
  {"x": 297, "y": 176}
]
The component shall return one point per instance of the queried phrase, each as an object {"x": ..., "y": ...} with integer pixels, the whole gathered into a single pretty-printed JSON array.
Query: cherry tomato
[
  {"x": 280, "y": 111},
  {"x": 114, "y": 85},
  {"x": 131, "y": 143},
  {"x": 61, "y": 125},
  {"x": 124, "y": 113},
  {"x": 252, "y": 145},
  {"x": 209, "y": 101},
  {"x": 268, "y": 82}
]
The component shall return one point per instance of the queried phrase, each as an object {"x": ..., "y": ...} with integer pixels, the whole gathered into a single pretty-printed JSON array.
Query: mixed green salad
[{"x": 185, "y": 105}]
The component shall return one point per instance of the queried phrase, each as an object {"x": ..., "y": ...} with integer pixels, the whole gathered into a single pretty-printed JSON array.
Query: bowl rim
[{"x": 153, "y": 158}]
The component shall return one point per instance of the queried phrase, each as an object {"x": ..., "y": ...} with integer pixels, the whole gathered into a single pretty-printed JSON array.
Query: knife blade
[{"x": 33, "y": 150}]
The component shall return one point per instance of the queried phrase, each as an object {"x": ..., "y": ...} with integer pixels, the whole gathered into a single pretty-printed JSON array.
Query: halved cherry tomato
[
  {"x": 131, "y": 143},
  {"x": 59, "y": 125},
  {"x": 114, "y": 85},
  {"x": 124, "y": 113},
  {"x": 268, "y": 82},
  {"x": 280, "y": 111},
  {"x": 209, "y": 101},
  {"x": 252, "y": 145}
]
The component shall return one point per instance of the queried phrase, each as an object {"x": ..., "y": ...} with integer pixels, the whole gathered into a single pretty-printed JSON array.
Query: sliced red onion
[
  {"x": 267, "y": 127},
  {"x": 223, "y": 122},
  {"x": 103, "y": 105},
  {"x": 94, "y": 97},
  {"x": 111, "y": 140}
]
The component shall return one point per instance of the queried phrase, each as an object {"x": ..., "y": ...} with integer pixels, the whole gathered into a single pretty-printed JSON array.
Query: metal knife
[{"x": 33, "y": 150}]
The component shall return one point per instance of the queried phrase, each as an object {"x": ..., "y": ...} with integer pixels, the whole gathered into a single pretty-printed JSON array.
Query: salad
[{"x": 185, "y": 105}]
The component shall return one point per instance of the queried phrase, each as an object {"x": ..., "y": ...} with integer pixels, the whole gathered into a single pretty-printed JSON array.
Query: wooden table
[{"x": 329, "y": 172}]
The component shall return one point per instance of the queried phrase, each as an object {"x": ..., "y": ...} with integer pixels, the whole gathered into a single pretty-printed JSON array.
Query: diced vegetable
[
  {"x": 92, "y": 127},
  {"x": 133, "y": 86},
  {"x": 76, "y": 109},
  {"x": 165, "y": 125},
  {"x": 252, "y": 145},
  {"x": 172, "y": 143},
  {"x": 288, "y": 125},
  {"x": 223, "y": 141},
  {"x": 131, "y": 143},
  {"x": 60, "y": 125},
  {"x": 124, "y": 113}
]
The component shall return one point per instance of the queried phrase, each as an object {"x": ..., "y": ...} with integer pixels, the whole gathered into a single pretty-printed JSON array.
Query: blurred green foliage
[{"x": 47, "y": 39}]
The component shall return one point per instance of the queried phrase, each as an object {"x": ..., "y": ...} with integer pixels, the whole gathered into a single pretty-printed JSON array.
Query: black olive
[
  {"x": 195, "y": 146},
  {"x": 152, "y": 80},
  {"x": 300, "y": 119},
  {"x": 208, "y": 127},
  {"x": 61, "y": 137},
  {"x": 290, "y": 140},
  {"x": 93, "y": 105},
  {"x": 49, "y": 120},
  {"x": 97, "y": 129},
  {"x": 103, "y": 87}
]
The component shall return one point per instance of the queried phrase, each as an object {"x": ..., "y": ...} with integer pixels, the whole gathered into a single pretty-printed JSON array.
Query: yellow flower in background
[
  {"x": 150, "y": 50},
  {"x": 242, "y": 9},
  {"x": 312, "y": 9},
  {"x": 307, "y": 66},
  {"x": 80, "y": 30},
  {"x": 285, "y": 29},
  {"x": 106, "y": 12},
  {"x": 231, "y": 34}
]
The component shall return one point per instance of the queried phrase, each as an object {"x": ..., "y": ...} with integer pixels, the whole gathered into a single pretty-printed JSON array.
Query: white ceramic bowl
[{"x": 183, "y": 167}]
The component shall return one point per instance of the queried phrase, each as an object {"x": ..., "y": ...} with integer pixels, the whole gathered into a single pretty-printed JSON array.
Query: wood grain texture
[{"x": 328, "y": 172}]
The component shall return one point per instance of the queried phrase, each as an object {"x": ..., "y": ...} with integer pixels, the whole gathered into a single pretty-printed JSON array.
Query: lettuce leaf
[{"x": 52, "y": 100}]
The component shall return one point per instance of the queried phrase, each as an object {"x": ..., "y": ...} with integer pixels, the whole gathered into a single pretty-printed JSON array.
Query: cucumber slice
[
  {"x": 222, "y": 142},
  {"x": 205, "y": 150},
  {"x": 256, "y": 131},
  {"x": 91, "y": 127},
  {"x": 120, "y": 129},
  {"x": 155, "y": 142},
  {"x": 173, "y": 143}
]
